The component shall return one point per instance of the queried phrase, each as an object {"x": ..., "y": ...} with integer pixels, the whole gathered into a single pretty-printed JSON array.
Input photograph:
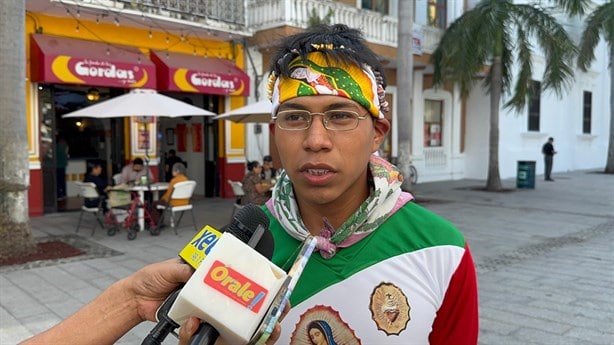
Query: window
[
  {"x": 534, "y": 100},
  {"x": 433, "y": 126},
  {"x": 587, "y": 109},
  {"x": 436, "y": 13},
  {"x": 380, "y": 6}
]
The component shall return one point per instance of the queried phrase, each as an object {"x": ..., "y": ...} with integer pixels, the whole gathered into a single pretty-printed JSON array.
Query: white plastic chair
[
  {"x": 237, "y": 190},
  {"x": 181, "y": 190},
  {"x": 89, "y": 191}
]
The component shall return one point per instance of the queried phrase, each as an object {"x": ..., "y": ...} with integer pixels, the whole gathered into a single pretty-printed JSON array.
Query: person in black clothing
[
  {"x": 93, "y": 174},
  {"x": 170, "y": 161},
  {"x": 549, "y": 152}
]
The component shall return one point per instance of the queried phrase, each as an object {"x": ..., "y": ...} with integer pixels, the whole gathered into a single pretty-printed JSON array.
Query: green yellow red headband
[{"x": 319, "y": 76}]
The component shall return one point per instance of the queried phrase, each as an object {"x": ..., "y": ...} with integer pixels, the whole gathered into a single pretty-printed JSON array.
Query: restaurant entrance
[{"x": 68, "y": 144}]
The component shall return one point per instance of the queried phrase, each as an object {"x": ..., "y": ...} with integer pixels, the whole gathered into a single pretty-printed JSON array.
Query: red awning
[
  {"x": 74, "y": 61},
  {"x": 188, "y": 73}
]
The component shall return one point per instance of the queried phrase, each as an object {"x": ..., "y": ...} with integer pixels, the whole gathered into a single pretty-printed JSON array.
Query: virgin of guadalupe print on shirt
[{"x": 322, "y": 325}]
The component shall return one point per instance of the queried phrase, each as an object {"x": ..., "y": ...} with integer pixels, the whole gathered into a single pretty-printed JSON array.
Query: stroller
[{"x": 123, "y": 212}]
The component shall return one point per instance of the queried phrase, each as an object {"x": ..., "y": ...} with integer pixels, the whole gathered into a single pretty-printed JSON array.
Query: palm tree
[
  {"x": 600, "y": 22},
  {"x": 486, "y": 39},
  {"x": 15, "y": 234}
]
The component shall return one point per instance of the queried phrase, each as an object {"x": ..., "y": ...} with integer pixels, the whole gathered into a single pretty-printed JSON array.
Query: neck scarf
[{"x": 385, "y": 198}]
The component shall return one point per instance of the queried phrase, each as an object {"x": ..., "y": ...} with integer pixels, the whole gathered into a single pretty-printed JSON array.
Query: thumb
[{"x": 187, "y": 330}]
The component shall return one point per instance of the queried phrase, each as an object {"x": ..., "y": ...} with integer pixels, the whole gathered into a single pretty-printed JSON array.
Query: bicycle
[{"x": 120, "y": 216}]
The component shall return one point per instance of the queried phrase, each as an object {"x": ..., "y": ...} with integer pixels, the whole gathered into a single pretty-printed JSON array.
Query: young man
[{"x": 386, "y": 271}]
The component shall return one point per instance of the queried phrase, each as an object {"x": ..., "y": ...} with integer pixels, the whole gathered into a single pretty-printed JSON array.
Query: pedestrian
[
  {"x": 169, "y": 162},
  {"x": 385, "y": 270},
  {"x": 548, "y": 152}
]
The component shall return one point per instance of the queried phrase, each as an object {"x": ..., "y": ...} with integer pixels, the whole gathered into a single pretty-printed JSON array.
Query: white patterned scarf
[{"x": 385, "y": 198}]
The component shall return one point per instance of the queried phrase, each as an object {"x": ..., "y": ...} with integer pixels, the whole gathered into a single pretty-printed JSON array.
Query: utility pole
[{"x": 405, "y": 70}]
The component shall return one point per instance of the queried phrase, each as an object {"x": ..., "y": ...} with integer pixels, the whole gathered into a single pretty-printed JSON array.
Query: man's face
[
  {"x": 267, "y": 165},
  {"x": 137, "y": 167},
  {"x": 328, "y": 166}
]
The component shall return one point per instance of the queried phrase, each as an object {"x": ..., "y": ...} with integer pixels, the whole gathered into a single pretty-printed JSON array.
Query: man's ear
[{"x": 380, "y": 129}]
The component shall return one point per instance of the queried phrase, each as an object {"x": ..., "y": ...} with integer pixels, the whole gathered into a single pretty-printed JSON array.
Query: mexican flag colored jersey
[{"x": 411, "y": 281}]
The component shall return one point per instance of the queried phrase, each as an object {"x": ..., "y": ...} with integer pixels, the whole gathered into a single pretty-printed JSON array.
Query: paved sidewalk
[{"x": 544, "y": 258}]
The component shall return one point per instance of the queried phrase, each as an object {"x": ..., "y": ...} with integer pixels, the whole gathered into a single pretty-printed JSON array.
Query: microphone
[
  {"x": 207, "y": 334},
  {"x": 238, "y": 282},
  {"x": 250, "y": 225}
]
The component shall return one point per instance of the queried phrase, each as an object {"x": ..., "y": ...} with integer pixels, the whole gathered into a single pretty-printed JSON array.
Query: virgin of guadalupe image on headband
[{"x": 319, "y": 82}]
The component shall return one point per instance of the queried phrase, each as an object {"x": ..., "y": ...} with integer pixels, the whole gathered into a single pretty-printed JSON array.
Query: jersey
[{"x": 411, "y": 281}]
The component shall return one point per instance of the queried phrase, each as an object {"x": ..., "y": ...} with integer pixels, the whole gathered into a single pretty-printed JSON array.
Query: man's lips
[{"x": 317, "y": 174}]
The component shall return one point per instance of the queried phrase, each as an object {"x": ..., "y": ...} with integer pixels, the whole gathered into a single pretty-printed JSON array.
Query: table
[{"x": 141, "y": 189}]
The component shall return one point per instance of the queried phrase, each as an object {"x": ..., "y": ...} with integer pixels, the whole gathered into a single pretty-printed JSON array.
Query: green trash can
[{"x": 525, "y": 175}]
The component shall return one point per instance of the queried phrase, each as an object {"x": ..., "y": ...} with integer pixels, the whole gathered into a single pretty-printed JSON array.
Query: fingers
[
  {"x": 285, "y": 311},
  {"x": 277, "y": 329},
  {"x": 153, "y": 283},
  {"x": 187, "y": 330},
  {"x": 274, "y": 335}
]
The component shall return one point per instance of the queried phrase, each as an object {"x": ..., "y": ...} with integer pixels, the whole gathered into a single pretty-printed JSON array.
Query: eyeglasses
[{"x": 333, "y": 120}]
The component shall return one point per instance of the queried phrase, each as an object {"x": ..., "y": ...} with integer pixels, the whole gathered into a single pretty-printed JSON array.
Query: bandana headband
[{"x": 317, "y": 76}]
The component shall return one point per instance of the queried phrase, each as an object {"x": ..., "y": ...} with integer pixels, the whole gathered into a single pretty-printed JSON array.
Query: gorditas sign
[
  {"x": 186, "y": 73},
  {"x": 73, "y": 61}
]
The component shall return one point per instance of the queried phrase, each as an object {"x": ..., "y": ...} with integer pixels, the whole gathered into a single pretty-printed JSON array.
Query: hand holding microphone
[{"x": 250, "y": 225}]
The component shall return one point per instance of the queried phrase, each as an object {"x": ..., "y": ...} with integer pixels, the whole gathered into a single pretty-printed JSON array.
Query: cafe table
[{"x": 141, "y": 189}]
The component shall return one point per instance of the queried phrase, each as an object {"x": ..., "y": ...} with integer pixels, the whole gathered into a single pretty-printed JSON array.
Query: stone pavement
[{"x": 544, "y": 257}]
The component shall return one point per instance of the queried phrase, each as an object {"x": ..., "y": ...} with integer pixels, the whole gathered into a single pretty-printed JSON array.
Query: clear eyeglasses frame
[{"x": 333, "y": 120}]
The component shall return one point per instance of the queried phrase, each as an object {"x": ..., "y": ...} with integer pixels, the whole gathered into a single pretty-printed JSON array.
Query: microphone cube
[{"x": 231, "y": 290}]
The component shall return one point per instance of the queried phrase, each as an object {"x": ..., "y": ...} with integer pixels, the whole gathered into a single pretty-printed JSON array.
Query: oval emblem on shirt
[{"x": 389, "y": 308}]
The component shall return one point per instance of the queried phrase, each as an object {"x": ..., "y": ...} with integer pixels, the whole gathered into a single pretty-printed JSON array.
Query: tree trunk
[
  {"x": 15, "y": 233},
  {"x": 405, "y": 72},
  {"x": 609, "y": 164},
  {"x": 493, "y": 181}
]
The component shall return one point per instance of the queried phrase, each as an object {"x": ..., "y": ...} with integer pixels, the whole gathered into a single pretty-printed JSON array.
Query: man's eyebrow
[
  {"x": 292, "y": 106},
  {"x": 332, "y": 106}
]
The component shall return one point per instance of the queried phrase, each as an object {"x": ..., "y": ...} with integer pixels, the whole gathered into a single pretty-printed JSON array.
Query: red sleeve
[{"x": 457, "y": 318}]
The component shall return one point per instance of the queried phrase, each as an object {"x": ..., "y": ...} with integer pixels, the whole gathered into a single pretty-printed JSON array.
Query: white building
[{"x": 449, "y": 135}]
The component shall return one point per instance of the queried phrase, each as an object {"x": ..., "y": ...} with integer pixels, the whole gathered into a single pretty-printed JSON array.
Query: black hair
[
  {"x": 344, "y": 45},
  {"x": 267, "y": 158},
  {"x": 91, "y": 165},
  {"x": 252, "y": 164},
  {"x": 172, "y": 152},
  {"x": 137, "y": 161}
]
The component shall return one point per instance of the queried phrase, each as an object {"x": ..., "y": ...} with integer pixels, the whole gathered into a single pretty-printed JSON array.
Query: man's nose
[{"x": 317, "y": 136}]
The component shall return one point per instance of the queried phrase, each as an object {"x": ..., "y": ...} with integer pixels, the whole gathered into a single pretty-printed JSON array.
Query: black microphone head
[{"x": 245, "y": 222}]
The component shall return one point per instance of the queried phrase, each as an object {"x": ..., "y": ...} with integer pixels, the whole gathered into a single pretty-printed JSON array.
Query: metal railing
[
  {"x": 227, "y": 11},
  {"x": 377, "y": 28}
]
